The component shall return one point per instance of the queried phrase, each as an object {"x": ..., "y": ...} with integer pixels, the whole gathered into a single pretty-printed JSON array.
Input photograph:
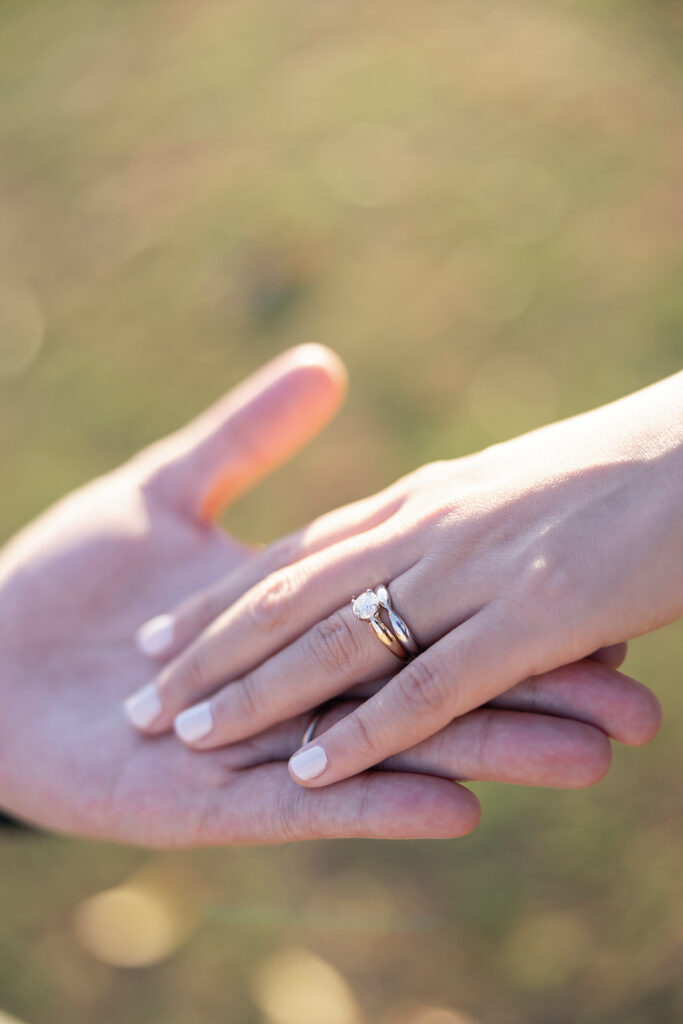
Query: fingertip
[
  {"x": 647, "y": 721},
  {"x": 154, "y": 639},
  {"x": 444, "y": 810},
  {"x": 144, "y": 708},
  {"x": 469, "y": 811},
  {"x": 316, "y": 356},
  {"x": 635, "y": 711},
  {"x": 420, "y": 806},
  {"x": 194, "y": 724},
  {"x": 324, "y": 375},
  {"x": 612, "y": 656},
  {"x": 595, "y": 761},
  {"x": 307, "y": 765}
]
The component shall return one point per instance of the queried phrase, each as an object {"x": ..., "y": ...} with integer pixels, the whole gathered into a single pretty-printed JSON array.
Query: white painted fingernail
[
  {"x": 156, "y": 636},
  {"x": 144, "y": 706},
  {"x": 194, "y": 723},
  {"x": 308, "y": 764}
]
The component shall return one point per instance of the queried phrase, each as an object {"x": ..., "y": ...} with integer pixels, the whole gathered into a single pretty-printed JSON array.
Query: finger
[
  {"x": 472, "y": 664},
  {"x": 377, "y": 805},
  {"x": 491, "y": 745},
  {"x": 335, "y": 655},
  {"x": 612, "y": 656},
  {"x": 485, "y": 745},
  {"x": 322, "y": 664},
  {"x": 625, "y": 709},
  {"x": 206, "y": 465},
  {"x": 515, "y": 747},
  {"x": 593, "y": 693},
  {"x": 168, "y": 634},
  {"x": 325, "y": 660}
]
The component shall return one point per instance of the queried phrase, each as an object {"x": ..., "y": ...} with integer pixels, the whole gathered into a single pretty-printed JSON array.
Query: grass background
[{"x": 476, "y": 205}]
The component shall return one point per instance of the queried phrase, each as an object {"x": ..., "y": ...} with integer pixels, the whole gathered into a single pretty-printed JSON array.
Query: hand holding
[
  {"x": 75, "y": 585},
  {"x": 508, "y": 565}
]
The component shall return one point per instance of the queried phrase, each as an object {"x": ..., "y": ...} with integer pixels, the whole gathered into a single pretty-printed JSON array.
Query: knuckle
[
  {"x": 332, "y": 644},
  {"x": 423, "y": 688},
  {"x": 545, "y": 582},
  {"x": 293, "y": 817},
  {"x": 250, "y": 697},
  {"x": 362, "y": 739},
  {"x": 284, "y": 551},
  {"x": 270, "y": 603},
  {"x": 533, "y": 688},
  {"x": 193, "y": 676},
  {"x": 486, "y": 720}
]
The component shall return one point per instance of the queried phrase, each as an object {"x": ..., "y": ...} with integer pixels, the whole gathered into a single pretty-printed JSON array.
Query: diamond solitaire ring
[{"x": 395, "y": 634}]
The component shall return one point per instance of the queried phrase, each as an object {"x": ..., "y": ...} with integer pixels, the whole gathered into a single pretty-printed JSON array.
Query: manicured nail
[
  {"x": 194, "y": 723},
  {"x": 156, "y": 636},
  {"x": 308, "y": 764},
  {"x": 144, "y": 706}
]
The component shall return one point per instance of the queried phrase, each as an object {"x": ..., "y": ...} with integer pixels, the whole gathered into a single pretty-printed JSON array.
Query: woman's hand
[{"x": 507, "y": 565}]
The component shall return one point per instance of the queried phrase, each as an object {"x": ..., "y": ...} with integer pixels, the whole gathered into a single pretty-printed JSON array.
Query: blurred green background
[{"x": 474, "y": 203}]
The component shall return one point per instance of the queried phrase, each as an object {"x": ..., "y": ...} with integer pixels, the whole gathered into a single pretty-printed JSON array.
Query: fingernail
[
  {"x": 308, "y": 764},
  {"x": 194, "y": 723},
  {"x": 144, "y": 706},
  {"x": 156, "y": 636}
]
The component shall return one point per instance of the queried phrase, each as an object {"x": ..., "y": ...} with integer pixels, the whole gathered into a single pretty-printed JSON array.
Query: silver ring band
[
  {"x": 397, "y": 636},
  {"x": 313, "y": 723}
]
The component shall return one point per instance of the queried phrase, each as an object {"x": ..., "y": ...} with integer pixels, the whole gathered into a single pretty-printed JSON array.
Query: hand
[
  {"x": 75, "y": 585},
  {"x": 507, "y": 565}
]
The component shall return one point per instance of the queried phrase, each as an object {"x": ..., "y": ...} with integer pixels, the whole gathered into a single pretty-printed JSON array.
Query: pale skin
[
  {"x": 76, "y": 584},
  {"x": 507, "y": 564}
]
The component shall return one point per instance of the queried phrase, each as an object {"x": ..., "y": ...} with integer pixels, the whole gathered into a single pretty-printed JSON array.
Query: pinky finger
[{"x": 376, "y": 805}]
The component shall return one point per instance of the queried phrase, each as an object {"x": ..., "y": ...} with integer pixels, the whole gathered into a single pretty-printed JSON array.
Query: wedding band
[
  {"x": 313, "y": 723},
  {"x": 396, "y": 636}
]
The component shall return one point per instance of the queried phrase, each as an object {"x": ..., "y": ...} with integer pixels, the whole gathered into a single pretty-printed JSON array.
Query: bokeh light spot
[
  {"x": 130, "y": 926},
  {"x": 296, "y": 987}
]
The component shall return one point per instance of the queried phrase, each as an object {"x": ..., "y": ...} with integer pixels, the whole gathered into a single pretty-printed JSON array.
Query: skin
[
  {"x": 76, "y": 584},
  {"x": 507, "y": 564}
]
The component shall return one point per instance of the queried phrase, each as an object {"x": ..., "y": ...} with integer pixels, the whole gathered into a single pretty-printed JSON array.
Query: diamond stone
[{"x": 365, "y": 606}]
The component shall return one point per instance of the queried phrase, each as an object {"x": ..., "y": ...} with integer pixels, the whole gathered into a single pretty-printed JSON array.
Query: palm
[{"x": 100, "y": 566}]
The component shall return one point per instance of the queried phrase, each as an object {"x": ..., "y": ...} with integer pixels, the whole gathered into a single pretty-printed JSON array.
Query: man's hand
[{"x": 76, "y": 584}]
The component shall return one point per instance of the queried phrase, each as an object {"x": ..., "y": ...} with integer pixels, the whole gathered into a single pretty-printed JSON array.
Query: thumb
[{"x": 254, "y": 428}]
